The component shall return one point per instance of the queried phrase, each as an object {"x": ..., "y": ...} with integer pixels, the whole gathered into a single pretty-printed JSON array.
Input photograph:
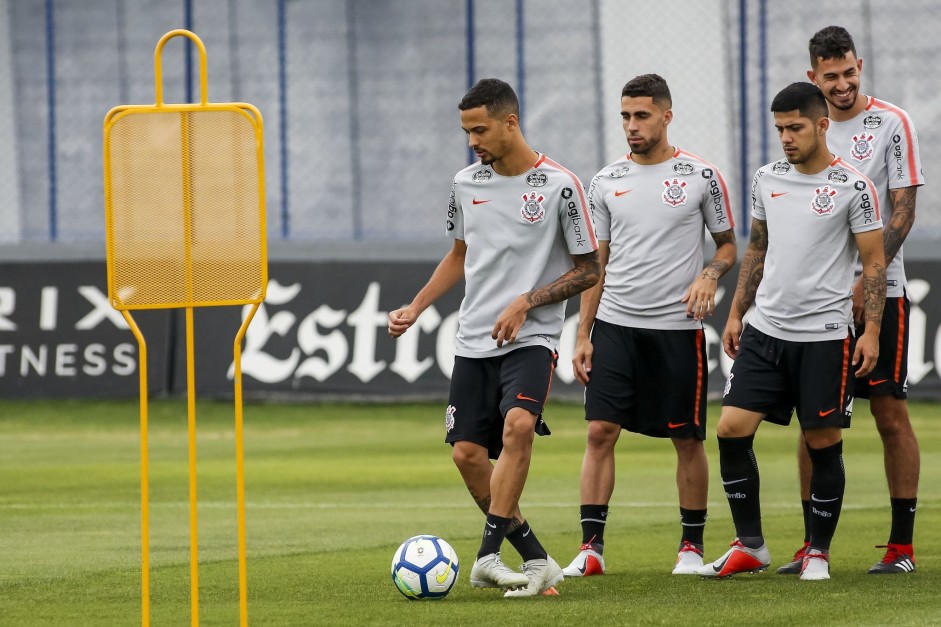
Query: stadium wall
[{"x": 320, "y": 334}]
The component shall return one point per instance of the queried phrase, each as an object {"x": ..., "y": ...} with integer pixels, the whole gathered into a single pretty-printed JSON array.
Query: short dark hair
[
  {"x": 806, "y": 98},
  {"x": 497, "y": 96},
  {"x": 652, "y": 85},
  {"x": 832, "y": 42}
]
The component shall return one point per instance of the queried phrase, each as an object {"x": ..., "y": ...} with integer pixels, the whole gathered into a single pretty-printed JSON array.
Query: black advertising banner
[
  {"x": 60, "y": 338},
  {"x": 321, "y": 334}
]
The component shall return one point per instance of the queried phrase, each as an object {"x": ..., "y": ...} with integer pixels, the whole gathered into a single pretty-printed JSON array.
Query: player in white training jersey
[
  {"x": 879, "y": 139},
  {"x": 641, "y": 348},
  {"x": 523, "y": 243},
  {"x": 811, "y": 213}
]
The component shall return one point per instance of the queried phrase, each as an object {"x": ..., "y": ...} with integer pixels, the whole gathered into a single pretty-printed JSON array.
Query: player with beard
[
  {"x": 879, "y": 139},
  {"x": 523, "y": 243},
  {"x": 811, "y": 213},
  {"x": 641, "y": 349}
]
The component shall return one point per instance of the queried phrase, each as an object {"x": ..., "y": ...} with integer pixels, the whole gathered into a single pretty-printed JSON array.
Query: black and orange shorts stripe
[
  {"x": 772, "y": 376},
  {"x": 484, "y": 389},
  {"x": 649, "y": 381},
  {"x": 890, "y": 376}
]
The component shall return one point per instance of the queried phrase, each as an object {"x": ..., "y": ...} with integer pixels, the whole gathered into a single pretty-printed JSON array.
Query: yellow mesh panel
[{"x": 185, "y": 219}]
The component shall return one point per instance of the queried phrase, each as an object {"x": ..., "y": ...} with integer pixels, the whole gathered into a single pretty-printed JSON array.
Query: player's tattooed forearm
[
  {"x": 753, "y": 266},
  {"x": 719, "y": 267},
  {"x": 874, "y": 295},
  {"x": 759, "y": 235},
  {"x": 903, "y": 217},
  {"x": 585, "y": 274},
  {"x": 749, "y": 278},
  {"x": 714, "y": 270}
]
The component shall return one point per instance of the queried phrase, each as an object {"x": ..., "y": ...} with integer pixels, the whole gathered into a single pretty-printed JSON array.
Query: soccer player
[
  {"x": 523, "y": 243},
  {"x": 811, "y": 213},
  {"x": 878, "y": 138},
  {"x": 640, "y": 350}
]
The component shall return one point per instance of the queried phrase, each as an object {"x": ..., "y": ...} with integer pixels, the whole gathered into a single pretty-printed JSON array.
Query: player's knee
[
  {"x": 468, "y": 456},
  {"x": 518, "y": 429},
  {"x": 689, "y": 448},
  {"x": 602, "y": 435}
]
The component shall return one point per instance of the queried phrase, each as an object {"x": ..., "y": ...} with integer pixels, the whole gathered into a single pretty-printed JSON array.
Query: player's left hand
[
  {"x": 511, "y": 321},
  {"x": 701, "y": 297},
  {"x": 866, "y": 354}
]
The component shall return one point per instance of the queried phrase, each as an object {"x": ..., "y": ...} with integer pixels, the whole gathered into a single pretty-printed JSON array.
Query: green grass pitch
[{"x": 332, "y": 490}]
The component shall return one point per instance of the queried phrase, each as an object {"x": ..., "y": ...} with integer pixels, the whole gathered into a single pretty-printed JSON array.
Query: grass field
[{"x": 332, "y": 491}]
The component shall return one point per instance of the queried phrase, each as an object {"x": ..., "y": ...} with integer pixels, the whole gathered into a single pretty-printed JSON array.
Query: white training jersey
[
  {"x": 521, "y": 232},
  {"x": 805, "y": 292},
  {"x": 653, "y": 216},
  {"x": 881, "y": 143}
]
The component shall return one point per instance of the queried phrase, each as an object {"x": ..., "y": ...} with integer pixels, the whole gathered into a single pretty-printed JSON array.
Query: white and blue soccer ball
[{"x": 424, "y": 567}]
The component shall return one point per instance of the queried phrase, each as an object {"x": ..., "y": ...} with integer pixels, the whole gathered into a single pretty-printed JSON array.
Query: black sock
[
  {"x": 827, "y": 484},
  {"x": 494, "y": 531},
  {"x": 903, "y": 521},
  {"x": 741, "y": 482},
  {"x": 526, "y": 544},
  {"x": 805, "y": 505},
  {"x": 594, "y": 518},
  {"x": 694, "y": 523}
]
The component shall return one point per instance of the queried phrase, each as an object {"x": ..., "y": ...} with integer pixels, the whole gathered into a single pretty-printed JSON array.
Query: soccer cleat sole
[
  {"x": 737, "y": 563},
  {"x": 898, "y": 568},
  {"x": 791, "y": 568},
  {"x": 476, "y": 583},
  {"x": 592, "y": 567}
]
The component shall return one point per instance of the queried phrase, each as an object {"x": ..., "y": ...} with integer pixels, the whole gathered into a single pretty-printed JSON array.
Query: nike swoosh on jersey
[
  {"x": 621, "y": 192},
  {"x": 824, "y": 414},
  {"x": 676, "y": 425},
  {"x": 871, "y": 382},
  {"x": 525, "y": 398},
  {"x": 776, "y": 194},
  {"x": 479, "y": 202}
]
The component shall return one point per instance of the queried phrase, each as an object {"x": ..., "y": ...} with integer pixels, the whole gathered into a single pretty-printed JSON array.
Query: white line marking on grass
[{"x": 393, "y": 505}]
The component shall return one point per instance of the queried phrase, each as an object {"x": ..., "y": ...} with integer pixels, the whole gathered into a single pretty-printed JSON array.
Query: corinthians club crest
[
  {"x": 862, "y": 146},
  {"x": 675, "y": 192},
  {"x": 823, "y": 201},
  {"x": 532, "y": 210}
]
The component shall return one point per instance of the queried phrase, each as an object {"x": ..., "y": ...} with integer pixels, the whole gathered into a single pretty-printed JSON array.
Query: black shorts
[
  {"x": 890, "y": 376},
  {"x": 649, "y": 381},
  {"x": 484, "y": 389},
  {"x": 772, "y": 376}
]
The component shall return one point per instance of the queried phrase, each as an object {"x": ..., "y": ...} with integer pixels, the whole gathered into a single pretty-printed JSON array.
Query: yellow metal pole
[
  {"x": 144, "y": 474},
  {"x": 191, "y": 423},
  {"x": 240, "y": 467}
]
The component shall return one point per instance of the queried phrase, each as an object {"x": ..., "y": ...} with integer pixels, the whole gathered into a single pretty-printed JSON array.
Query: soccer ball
[{"x": 424, "y": 567}]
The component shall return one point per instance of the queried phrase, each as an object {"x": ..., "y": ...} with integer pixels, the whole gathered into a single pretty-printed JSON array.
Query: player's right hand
[
  {"x": 731, "y": 335},
  {"x": 400, "y": 320},
  {"x": 581, "y": 360}
]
